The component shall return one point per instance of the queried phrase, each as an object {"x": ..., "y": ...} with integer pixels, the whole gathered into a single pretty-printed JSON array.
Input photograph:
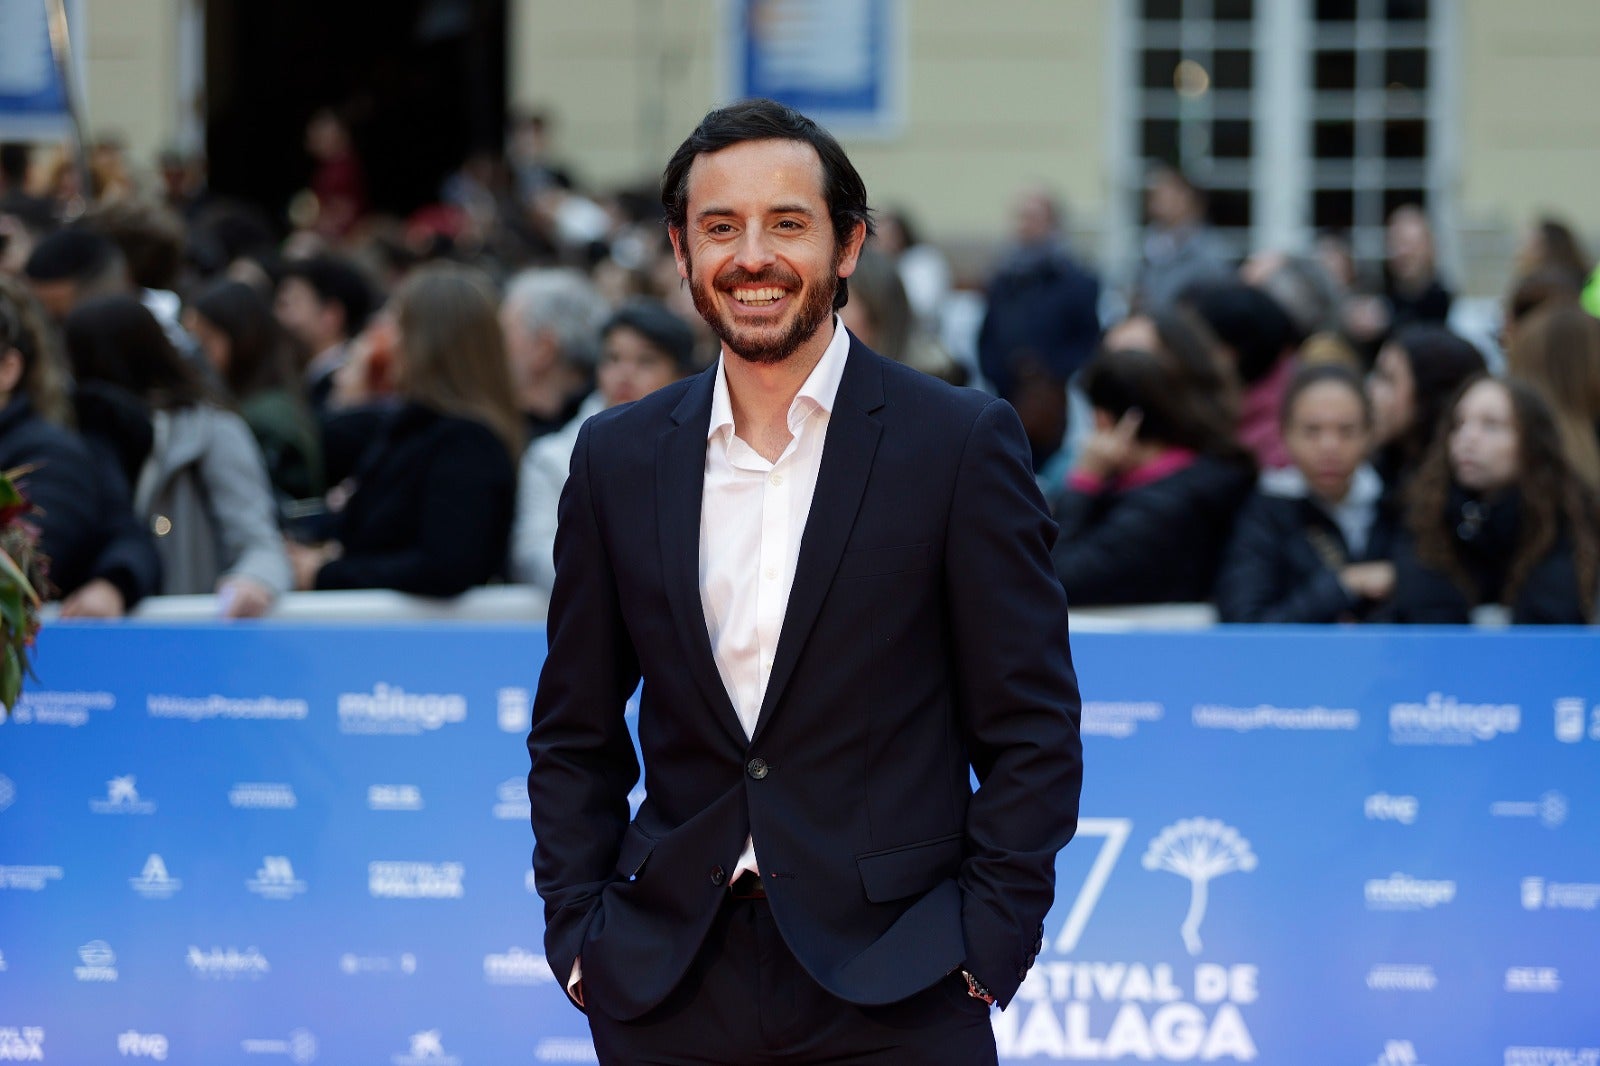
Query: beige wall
[
  {"x": 1529, "y": 122},
  {"x": 130, "y": 50},
  {"x": 999, "y": 95}
]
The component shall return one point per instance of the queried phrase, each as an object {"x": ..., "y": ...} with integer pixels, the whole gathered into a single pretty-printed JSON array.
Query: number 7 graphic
[{"x": 1116, "y": 832}]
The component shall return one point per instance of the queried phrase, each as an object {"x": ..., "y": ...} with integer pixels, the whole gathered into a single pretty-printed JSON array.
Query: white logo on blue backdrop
[
  {"x": 122, "y": 797},
  {"x": 153, "y": 881},
  {"x": 1200, "y": 849}
]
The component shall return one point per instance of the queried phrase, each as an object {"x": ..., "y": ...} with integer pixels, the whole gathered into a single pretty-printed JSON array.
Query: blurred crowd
[{"x": 200, "y": 397}]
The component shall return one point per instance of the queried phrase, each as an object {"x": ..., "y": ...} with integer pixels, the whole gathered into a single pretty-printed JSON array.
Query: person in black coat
[
  {"x": 102, "y": 560},
  {"x": 1313, "y": 543},
  {"x": 1496, "y": 517},
  {"x": 1146, "y": 513},
  {"x": 430, "y": 507}
]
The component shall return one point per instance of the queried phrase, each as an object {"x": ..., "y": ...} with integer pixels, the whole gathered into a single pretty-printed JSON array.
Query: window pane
[
  {"x": 1393, "y": 198},
  {"x": 1333, "y": 140},
  {"x": 1159, "y": 65},
  {"x": 1405, "y": 139},
  {"x": 1333, "y": 209},
  {"x": 1406, "y": 10},
  {"x": 1336, "y": 10},
  {"x": 1230, "y": 207},
  {"x": 1408, "y": 67},
  {"x": 1232, "y": 70},
  {"x": 1334, "y": 70},
  {"x": 1230, "y": 139},
  {"x": 1164, "y": 10},
  {"x": 1233, "y": 10},
  {"x": 1159, "y": 139}
]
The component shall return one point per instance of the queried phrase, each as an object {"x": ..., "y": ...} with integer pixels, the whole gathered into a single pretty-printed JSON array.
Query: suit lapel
[
  {"x": 847, "y": 455},
  {"x": 680, "y": 486}
]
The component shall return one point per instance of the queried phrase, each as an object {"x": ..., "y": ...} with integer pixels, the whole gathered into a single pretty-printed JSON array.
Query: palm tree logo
[{"x": 1199, "y": 849}]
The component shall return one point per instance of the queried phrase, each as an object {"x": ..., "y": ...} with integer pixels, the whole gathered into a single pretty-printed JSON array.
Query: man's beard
[{"x": 765, "y": 344}]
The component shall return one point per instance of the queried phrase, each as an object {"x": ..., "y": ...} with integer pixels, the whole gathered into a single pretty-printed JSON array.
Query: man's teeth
[{"x": 758, "y": 297}]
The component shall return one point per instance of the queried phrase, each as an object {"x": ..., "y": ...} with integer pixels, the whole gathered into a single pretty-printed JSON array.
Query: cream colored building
[{"x": 1074, "y": 94}]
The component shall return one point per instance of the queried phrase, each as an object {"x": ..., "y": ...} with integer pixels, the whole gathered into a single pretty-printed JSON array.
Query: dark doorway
[{"x": 421, "y": 83}]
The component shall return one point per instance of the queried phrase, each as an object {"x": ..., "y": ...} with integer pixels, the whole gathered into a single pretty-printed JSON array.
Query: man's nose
[{"x": 754, "y": 252}]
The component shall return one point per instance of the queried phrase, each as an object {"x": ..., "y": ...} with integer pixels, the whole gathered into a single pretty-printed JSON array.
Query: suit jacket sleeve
[
  {"x": 1018, "y": 697},
  {"x": 582, "y": 759}
]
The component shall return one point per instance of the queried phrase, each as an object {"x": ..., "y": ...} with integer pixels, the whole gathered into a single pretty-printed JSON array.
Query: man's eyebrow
[{"x": 717, "y": 211}]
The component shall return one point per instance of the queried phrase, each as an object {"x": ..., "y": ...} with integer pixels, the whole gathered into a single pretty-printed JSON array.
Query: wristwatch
[{"x": 977, "y": 989}]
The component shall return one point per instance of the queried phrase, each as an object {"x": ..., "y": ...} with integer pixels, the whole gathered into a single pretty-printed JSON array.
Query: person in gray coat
[{"x": 203, "y": 486}]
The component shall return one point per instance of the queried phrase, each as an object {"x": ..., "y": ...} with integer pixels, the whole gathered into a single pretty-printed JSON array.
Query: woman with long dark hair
[
  {"x": 1496, "y": 517},
  {"x": 1557, "y": 351},
  {"x": 1416, "y": 373},
  {"x": 1149, "y": 507},
  {"x": 203, "y": 486},
  {"x": 430, "y": 507},
  {"x": 244, "y": 344},
  {"x": 101, "y": 558}
]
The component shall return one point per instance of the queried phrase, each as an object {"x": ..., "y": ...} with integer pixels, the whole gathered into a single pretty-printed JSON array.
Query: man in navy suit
[{"x": 833, "y": 576}]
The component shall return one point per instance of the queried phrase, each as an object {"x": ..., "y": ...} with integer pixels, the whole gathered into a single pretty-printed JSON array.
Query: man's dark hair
[
  {"x": 335, "y": 281},
  {"x": 150, "y": 235},
  {"x": 89, "y": 259},
  {"x": 768, "y": 120}
]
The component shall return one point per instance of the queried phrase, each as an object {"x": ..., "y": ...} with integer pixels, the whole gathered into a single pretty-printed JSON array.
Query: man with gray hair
[{"x": 551, "y": 320}]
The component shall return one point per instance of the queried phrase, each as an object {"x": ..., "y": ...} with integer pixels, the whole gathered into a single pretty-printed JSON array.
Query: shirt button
[
  {"x": 766, "y": 664},
  {"x": 717, "y": 875},
  {"x": 756, "y": 768},
  {"x": 161, "y": 525},
  {"x": 776, "y": 480}
]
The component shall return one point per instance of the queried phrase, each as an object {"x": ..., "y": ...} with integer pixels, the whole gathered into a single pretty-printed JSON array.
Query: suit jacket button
[
  {"x": 756, "y": 768},
  {"x": 717, "y": 875}
]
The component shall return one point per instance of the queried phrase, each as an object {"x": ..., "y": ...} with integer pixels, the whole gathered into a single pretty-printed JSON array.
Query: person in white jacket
[{"x": 643, "y": 347}]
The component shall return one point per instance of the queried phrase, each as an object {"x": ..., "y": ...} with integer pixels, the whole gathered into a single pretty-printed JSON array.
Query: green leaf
[
  {"x": 10, "y": 679},
  {"x": 12, "y": 609},
  {"x": 10, "y": 571}
]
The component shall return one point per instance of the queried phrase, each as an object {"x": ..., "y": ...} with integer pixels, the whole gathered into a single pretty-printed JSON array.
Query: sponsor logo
[
  {"x": 1542, "y": 1056},
  {"x": 70, "y": 709},
  {"x": 262, "y": 796},
  {"x": 565, "y": 1049},
  {"x": 416, "y": 880},
  {"x": 1398, "y": 1053},
  {"x": 1570, "y": 713},
  {"x": 299, "y": 1048},
  {"x": 1118, "y": 720},
  {"x": 1199, "y": 849},
  {"x": 276, "y": 879},
  {"x": 390, "y": 709},
  {"x": 1551, "y": 809},
  {"x": 137, "y": 1045},
  {"x": 228, "y": 964},
  {"x": 516, "y": 967},
  {"x": 1265, "y": 716},
  {"x": 1539, "y": 894},
  {"x": 1402, "y": 892},
  {"x": 394, "y": 798},
  {"x": 1445, "y": 720},
  {"x": 516, "y": 710},
  {"x": 99, "y": 962},
  {"x": 8, "y": 791},
  {"x": 427, "y": 1049},
  {"x": 353, "y": 965},
  {"x": 1382, "y": 807},
  {"x": 512, "y": 800},
  {"x": 1533, "y": 979},
  {"x": 25, "y": 1044},
  {"x": 29, "y": 878},
  {"x": 154, "y": 882},
  {"x": 1401, "y": 977},
  {"x": 206, "y": 708},
  {"x": 122, "y": 797}
]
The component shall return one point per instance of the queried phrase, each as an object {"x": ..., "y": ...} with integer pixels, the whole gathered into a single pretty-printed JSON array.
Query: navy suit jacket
[{"x": 925, "y": 639}]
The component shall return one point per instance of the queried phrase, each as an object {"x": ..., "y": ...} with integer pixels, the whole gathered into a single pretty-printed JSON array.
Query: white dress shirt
[{"x": 752, "y": 514}]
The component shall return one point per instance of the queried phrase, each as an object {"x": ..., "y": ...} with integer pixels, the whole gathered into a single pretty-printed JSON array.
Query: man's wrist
[{"x": 977, "y": 989}]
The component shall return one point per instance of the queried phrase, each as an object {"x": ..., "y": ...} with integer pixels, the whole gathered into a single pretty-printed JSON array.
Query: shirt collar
[{"x": 819, "y": 392}]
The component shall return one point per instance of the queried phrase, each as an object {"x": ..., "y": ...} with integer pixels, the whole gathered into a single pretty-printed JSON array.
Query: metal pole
[{"x": 61, "y": 50}]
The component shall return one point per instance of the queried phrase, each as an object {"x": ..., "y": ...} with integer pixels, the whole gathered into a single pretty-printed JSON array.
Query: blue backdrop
[{"x": 274, "y": 844}]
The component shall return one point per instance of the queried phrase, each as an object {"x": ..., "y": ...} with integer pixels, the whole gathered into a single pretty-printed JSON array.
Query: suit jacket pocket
[
  {"x": 910, "y": 869},
  {"x": 880, "y": 562},
  {"x": 635, "y": 852}
]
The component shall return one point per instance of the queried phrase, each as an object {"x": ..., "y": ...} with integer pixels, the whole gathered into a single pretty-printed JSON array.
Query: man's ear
[
  {"x": 11, "y": 368},
  {"x": 850, "y": 254},
  {"x": 676, "y": 236}
]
